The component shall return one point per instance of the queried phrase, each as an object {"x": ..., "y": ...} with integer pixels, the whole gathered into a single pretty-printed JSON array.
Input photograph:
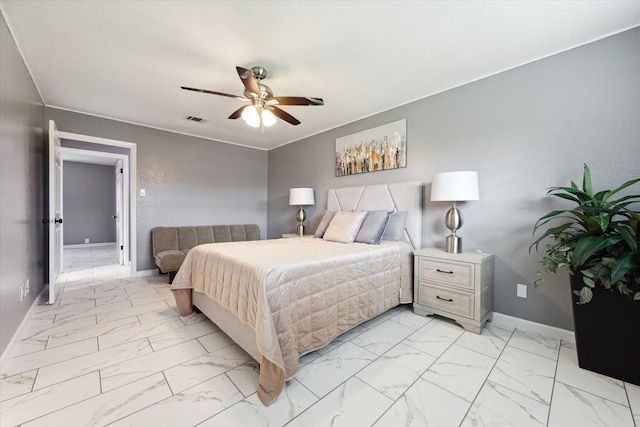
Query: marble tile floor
[
  {"x": 90, "y": 263},
  {"x": 116, "y": 353}
]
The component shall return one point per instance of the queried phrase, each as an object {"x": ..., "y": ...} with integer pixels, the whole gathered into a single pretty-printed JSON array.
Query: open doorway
[
  {"x": 94, "y": 147},
  {"x": 95, "y": 213}
]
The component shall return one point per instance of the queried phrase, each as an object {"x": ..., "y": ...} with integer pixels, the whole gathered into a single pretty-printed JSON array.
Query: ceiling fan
[{"x": 263, "y": 106}]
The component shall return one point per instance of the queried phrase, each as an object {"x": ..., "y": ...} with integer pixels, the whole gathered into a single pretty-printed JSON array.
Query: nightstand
[
  {"x": 457, "y": 286},
  {"x": 294, "y": 235}
]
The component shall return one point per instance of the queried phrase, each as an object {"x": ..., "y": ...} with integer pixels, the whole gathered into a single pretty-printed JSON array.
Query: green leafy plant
[{"x": 598, "y": 240}]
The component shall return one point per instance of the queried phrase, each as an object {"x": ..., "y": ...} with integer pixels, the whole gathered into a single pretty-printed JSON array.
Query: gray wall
[
  {"x": 523, "y": 130},
  {"x": 21, "y": 183},
  {"x": 188, "y": 180},
  {"x": 89, "y": 203}
]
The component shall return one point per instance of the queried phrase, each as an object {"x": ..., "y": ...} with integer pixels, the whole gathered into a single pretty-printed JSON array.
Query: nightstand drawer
[
  {"x": 457, "y": 302},
  {"x": 450, "y": 272}
]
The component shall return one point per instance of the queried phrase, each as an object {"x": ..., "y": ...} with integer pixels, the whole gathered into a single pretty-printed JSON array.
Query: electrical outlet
[
  {"x": 21, "y": 293},
  {"x": 86, "y": 240},
  {"x": 522, "y": 291}
]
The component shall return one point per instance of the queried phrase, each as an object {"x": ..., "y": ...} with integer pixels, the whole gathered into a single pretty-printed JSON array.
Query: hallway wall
[{"x": 89, "y": 203}]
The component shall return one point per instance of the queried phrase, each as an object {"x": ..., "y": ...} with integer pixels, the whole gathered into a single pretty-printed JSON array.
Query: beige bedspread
[{"x": 297, "y": 294}]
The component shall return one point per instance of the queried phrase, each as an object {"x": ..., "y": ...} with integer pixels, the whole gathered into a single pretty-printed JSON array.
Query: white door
[
  {"x": 55, "y": 210},
  {"x": 119, "y": 171}
]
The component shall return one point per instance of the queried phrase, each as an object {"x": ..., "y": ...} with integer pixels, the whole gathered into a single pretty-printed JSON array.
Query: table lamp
[
  {"x": 454, "y": 187},
  {"x": 301, "y": 197}
]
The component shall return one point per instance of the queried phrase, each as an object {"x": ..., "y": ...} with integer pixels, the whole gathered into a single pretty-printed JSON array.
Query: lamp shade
[
  {"x": 301, "y": 196},
  {"x": 455, "y": 186}
]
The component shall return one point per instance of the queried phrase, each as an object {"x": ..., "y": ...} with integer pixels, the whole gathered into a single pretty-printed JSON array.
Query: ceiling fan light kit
[
  {"x": 268, "y": 118},
  {"x": 262, "y": 109},
  {"x": 254, "y": 117},
  {"x": 250, "y": 116}
]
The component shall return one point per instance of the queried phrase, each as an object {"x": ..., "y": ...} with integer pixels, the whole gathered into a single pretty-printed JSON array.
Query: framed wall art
[{"x": 376, "y": 149}]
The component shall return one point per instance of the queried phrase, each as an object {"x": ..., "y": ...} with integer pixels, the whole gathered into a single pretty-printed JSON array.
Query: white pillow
[
  {"x": 344, "y": 226},
  {"x": 324, "y": 223}
]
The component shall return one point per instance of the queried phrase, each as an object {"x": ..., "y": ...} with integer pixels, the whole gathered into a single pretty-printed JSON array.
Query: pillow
[
  {"x": 344, "y": 226},
  {"x": 372, "y": 227},
  {"x": 395, "y": 226},
  {"x": 324, "y": 223}
]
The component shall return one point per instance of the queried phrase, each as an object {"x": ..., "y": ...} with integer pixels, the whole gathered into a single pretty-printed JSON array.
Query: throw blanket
[{"x": 297, "y": 294}]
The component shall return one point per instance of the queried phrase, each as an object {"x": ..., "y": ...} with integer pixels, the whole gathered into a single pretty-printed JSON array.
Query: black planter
[{"x": 608, "y": 333}]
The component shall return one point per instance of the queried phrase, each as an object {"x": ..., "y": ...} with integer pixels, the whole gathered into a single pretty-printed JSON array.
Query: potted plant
[{"x": 597, "y": 241}]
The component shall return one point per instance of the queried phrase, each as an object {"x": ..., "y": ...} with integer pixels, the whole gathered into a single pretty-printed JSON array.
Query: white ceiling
[{"x": 126, "y": 60}]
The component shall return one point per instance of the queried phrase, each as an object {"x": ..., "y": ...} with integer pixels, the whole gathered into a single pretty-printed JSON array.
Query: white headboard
[{"x": 405, "y": 196}]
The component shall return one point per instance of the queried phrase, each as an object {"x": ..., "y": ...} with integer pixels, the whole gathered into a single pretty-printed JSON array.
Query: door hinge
[{"x": 122, "y": 247}]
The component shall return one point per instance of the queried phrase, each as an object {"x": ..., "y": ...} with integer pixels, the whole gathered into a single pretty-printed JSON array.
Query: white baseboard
[
  {"x": 511, "y": 322},
  {"x": 88, "y": 245},
  {"x": 18, "y": 331},
  {"x": 147, "y": 273}
]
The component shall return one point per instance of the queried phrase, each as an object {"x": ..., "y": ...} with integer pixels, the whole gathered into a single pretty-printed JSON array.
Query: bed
[{"x": 280, "y": 299}]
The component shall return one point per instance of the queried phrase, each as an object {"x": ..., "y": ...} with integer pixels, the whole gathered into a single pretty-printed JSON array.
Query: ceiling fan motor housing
[
  {"x": 265, "y": 93},
  {"x": 259, "y": 72}
]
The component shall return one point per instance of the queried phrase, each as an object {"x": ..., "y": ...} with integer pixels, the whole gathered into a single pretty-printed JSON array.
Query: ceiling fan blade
[
  {"x": 211, "y": 92},
  {"x": 238, "y": 112},
  {"x": 249, "y": 81},
  {"x": 284, "y": 116},
  {"x": 297, "y": 100}
]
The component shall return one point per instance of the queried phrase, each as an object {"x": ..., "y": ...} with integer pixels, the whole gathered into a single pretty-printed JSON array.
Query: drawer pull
[
  {"x": 444, "y": 299},
  {"x": 443, "y": 271}
]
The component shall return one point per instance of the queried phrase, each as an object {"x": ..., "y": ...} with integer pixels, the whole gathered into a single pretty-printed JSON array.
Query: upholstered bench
[{"x": 171, "y": 244}]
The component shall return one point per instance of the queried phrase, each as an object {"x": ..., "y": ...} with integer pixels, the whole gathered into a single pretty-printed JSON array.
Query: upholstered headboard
[{"x": 405, "y": 196}]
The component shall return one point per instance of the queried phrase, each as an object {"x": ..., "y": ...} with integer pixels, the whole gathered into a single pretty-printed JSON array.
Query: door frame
[
  {"x": 122, "y": 212},
  {"x": 54, "y": 217},
  {"x": 130, "y": 225}
]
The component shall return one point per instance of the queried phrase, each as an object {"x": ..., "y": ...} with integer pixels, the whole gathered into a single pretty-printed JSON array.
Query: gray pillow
[
  {"x": 395, "y": 226},
  {"x": 373, "y": 227},
  {"x": 324, "y": 223}
]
